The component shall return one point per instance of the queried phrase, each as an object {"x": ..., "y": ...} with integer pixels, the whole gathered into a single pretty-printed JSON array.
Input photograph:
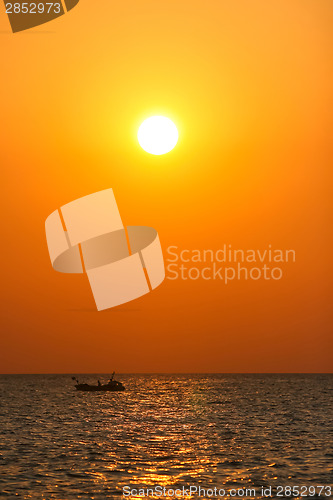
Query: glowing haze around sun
[{"x": 158, "y": 135}]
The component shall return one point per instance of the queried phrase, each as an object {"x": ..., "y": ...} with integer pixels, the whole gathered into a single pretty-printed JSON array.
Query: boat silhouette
[{"x": 111, "y": 386}]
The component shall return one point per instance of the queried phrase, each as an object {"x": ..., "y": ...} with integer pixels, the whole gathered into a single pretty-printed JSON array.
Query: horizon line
[{"x": 170, "y": 373}]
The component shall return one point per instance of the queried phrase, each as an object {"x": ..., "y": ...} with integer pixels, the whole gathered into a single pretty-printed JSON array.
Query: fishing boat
[{"x": 111, "y": 386}]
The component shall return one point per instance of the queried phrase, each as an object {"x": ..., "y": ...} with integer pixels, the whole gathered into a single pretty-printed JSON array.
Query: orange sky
[{"x": 249, "y": 86}]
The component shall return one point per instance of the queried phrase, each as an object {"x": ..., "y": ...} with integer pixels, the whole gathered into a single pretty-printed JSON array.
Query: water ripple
[{"x": 175, "y": 430}]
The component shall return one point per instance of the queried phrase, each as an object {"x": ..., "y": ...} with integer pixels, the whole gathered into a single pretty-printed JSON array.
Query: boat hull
[{"x": 97, "y": 388}]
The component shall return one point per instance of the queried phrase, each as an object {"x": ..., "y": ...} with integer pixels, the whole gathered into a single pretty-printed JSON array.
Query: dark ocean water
[{"x": 223, "y": 431}]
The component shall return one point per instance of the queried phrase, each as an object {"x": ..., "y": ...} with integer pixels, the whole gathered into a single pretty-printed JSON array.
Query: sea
[{"x": 167, "y": 436}]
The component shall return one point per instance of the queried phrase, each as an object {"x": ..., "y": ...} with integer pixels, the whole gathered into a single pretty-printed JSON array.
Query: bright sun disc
[{"x": 157, "y": 135}]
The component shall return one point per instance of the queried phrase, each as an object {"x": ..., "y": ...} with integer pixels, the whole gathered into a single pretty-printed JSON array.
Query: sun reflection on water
[{"x": 168, "y": 431}]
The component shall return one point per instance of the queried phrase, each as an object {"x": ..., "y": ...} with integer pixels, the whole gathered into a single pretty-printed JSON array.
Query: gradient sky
[{"x": 249, "y": 86}]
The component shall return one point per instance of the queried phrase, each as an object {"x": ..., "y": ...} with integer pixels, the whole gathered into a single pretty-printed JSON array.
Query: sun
[{"x": 158, "y": 135}]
